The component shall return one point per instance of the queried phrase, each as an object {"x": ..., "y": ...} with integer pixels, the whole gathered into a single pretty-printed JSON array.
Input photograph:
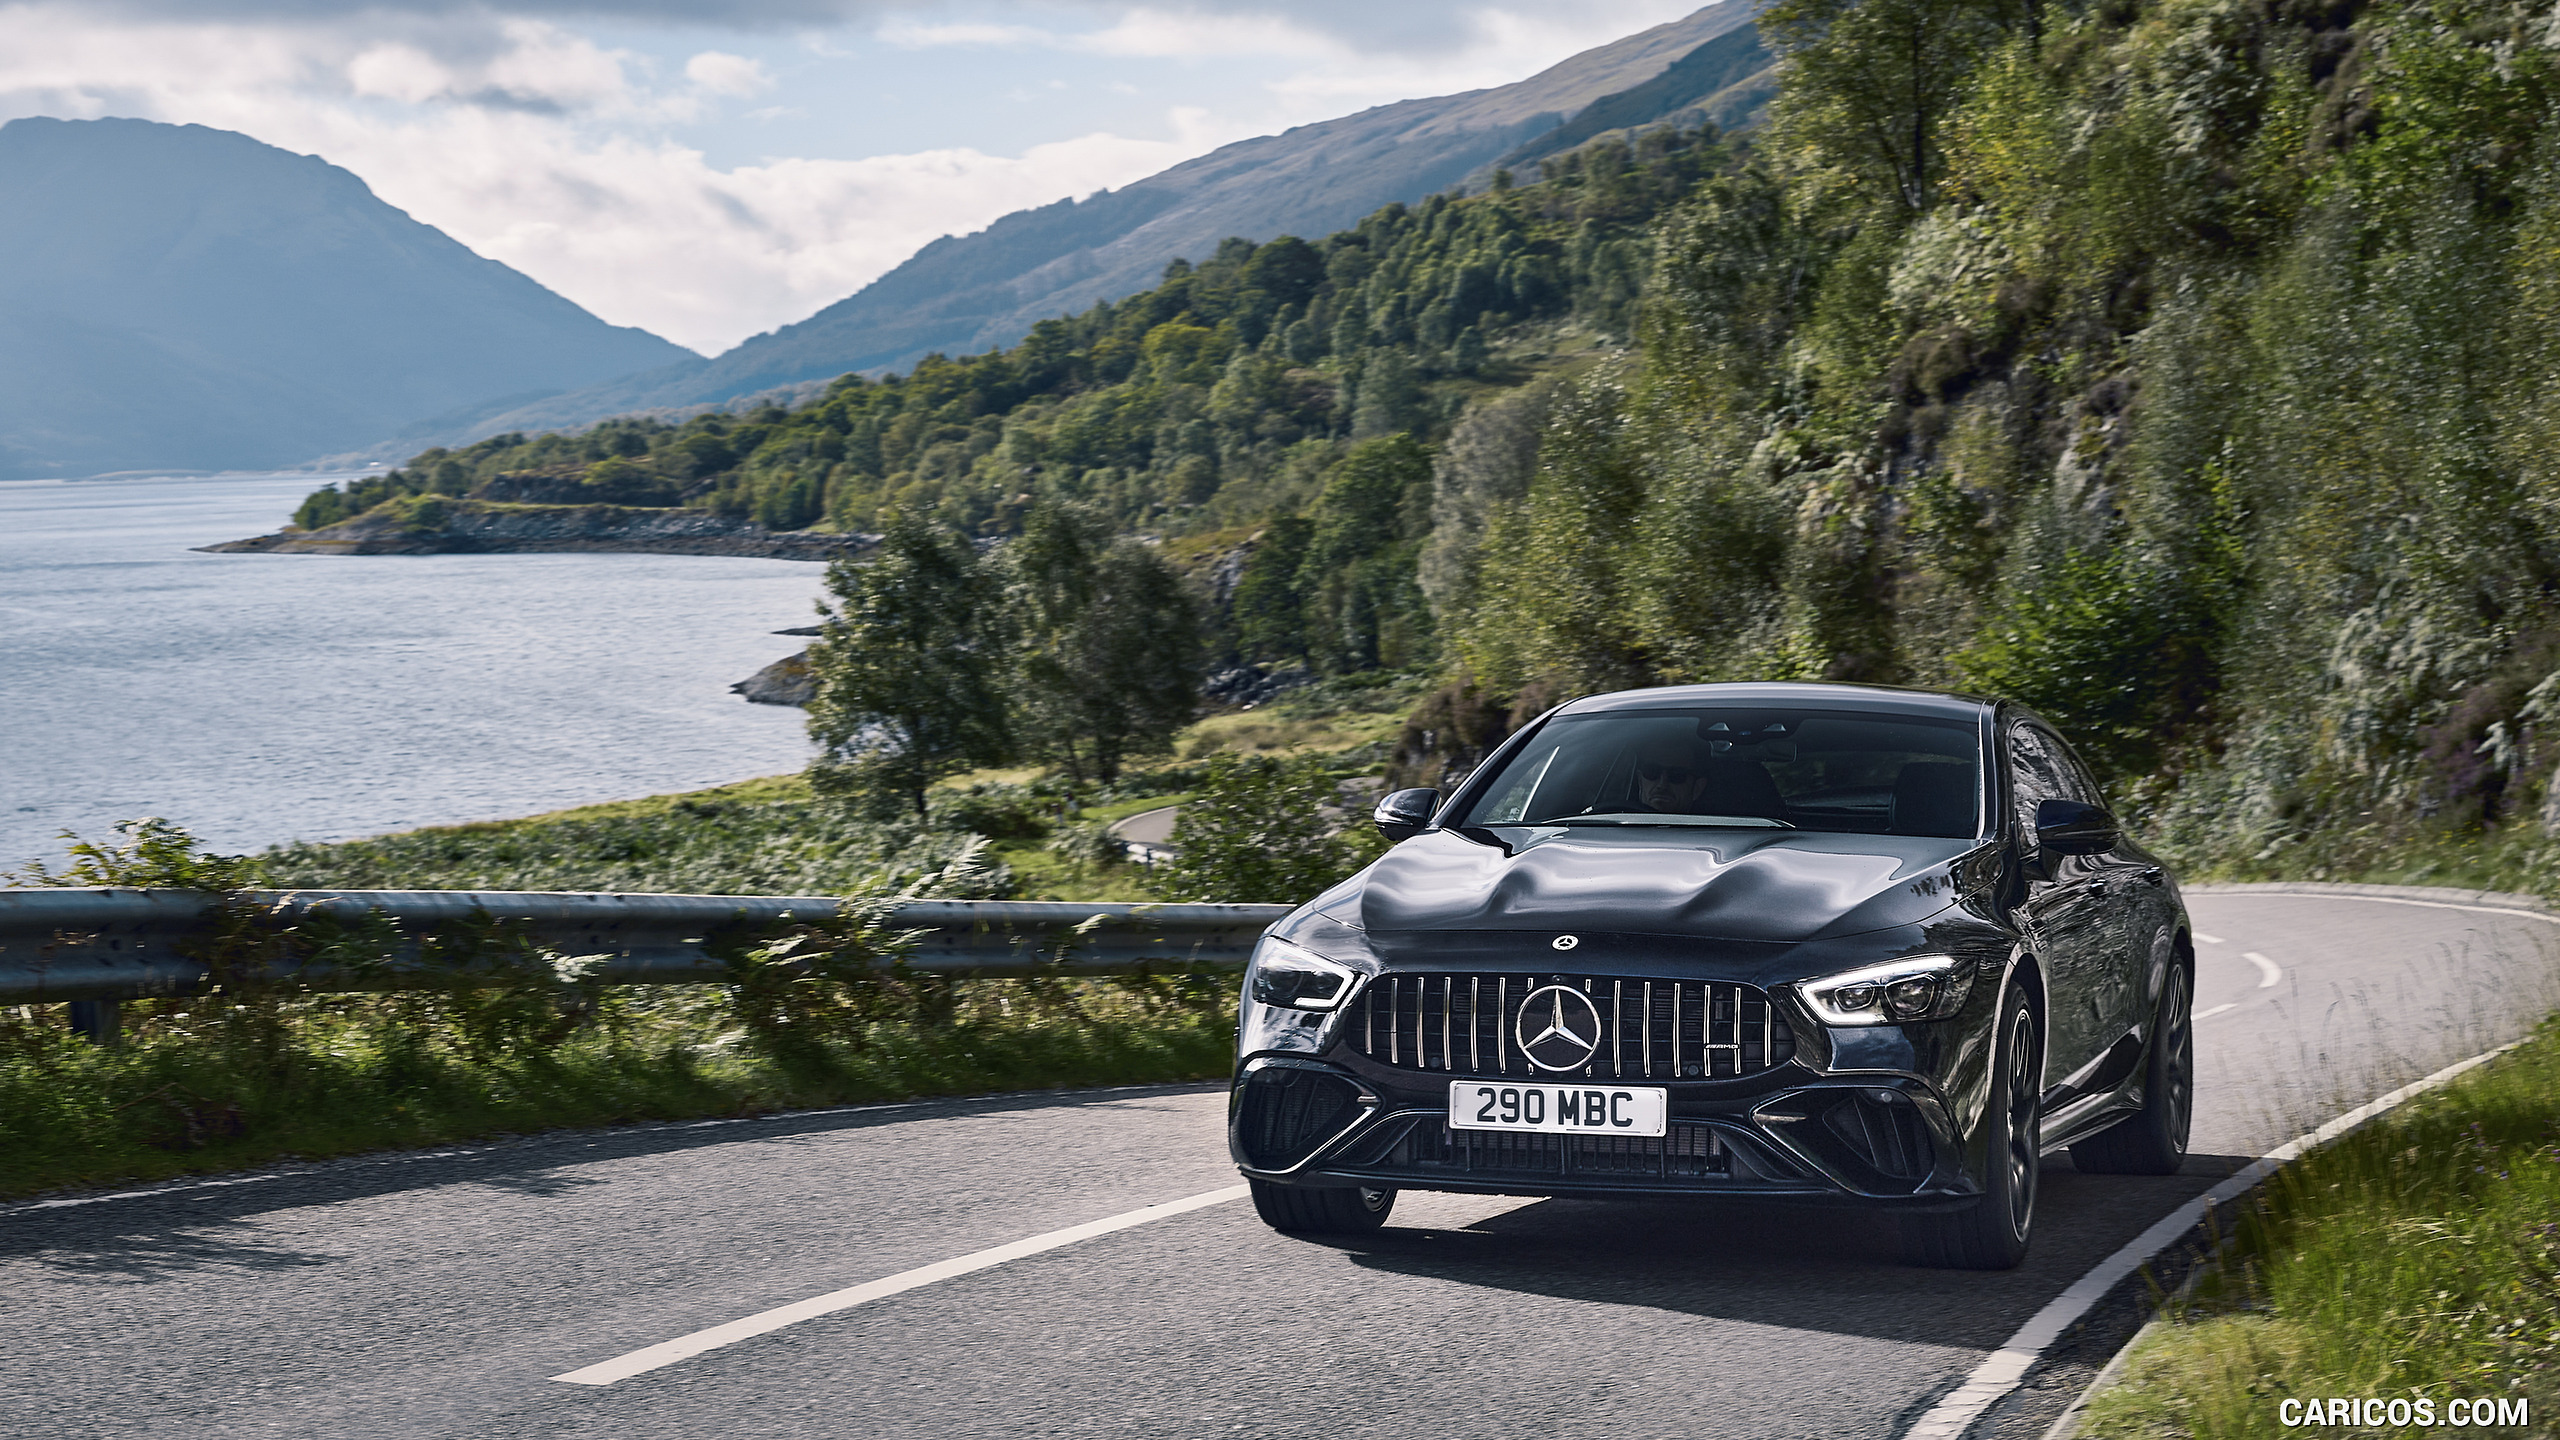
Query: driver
[{"x": 1671, "y": 775}]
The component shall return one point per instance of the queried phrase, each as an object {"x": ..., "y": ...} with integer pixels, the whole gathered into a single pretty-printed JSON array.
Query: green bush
[{"x": 1257, "y": 832}]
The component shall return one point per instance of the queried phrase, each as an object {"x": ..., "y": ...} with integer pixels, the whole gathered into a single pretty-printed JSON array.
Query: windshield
[{"x": 1755, "y": 769}]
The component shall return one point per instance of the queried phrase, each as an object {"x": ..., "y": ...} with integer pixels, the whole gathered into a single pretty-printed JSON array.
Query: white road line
[
  {"x": 2268, "y": 971},
  {"x": 2397, "y": 900},
  {"x": 2210, "y": 939},
  {"x": 2216, "y": 1010},
  {"x": 2008, "y": 1365},
  {"x": 668, "y": 1352}
]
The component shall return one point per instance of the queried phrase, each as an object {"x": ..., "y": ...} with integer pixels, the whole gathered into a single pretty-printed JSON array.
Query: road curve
[{"x": 439, "y": 1296}]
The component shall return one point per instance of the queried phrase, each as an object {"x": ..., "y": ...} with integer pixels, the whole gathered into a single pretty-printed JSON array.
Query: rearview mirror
[
  {"x": 1404, "y": 814},
  {"x": 2067, "y": 827}
]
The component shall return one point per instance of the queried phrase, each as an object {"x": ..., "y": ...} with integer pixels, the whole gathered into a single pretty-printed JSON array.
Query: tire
[
  {"x": 2153, "y": 1139},
  {"x": 1991, "y": 1233},
  {"x": 1295, "y": 1211}
]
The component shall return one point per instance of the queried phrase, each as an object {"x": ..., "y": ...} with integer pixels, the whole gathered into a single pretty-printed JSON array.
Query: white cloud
[
  {"x": 539, "y": 146},
  {"x": 917, "y": 35},
  {"x": 724, "y": 74}
]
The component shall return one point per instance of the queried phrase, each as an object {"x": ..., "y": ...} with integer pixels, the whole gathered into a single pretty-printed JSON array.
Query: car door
[
  {"x": 2120, "y": 881},
  {"x": 2065, "y": 907}
]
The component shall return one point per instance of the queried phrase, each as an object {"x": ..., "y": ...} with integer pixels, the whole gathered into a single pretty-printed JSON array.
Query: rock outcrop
[{"x": 787, "y": 681}]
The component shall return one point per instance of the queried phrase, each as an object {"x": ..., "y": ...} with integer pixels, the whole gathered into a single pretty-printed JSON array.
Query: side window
[
  {"x": 2036, "y": 774},
  {"x": 2077, "y": 784}
]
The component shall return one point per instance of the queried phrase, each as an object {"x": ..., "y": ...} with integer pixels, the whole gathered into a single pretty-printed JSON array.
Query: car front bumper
[{"x": 1790, "y": 1133}]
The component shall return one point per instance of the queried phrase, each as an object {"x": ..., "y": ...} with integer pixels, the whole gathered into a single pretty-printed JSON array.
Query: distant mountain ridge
[
  {"x": 961, "y": 295},
  {"x": 173, "y": 296}
]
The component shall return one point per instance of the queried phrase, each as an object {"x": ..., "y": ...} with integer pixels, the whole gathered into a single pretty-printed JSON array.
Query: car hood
[{"x": 1757, "y": 885}]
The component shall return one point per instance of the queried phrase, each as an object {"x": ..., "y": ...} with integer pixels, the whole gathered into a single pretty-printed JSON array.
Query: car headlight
[
  {"x": 1915, "y": 987},
  {"x": 1297, "y": 978}
]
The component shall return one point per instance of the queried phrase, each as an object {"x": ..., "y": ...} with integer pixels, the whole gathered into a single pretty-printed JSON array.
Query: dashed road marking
[
  {"x": 623, "y": 1367},
  {"x": 2268, "y": 971}
]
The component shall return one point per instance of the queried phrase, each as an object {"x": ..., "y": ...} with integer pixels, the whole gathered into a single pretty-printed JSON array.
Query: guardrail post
[{"x": 100, "y": 1022}]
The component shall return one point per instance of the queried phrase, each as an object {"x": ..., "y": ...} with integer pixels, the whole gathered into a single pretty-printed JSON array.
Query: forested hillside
[
  {"x": 1292, "y": 381},
  {"x": 2184, "y": 368},
  {"x": 2189, "y": 369}
]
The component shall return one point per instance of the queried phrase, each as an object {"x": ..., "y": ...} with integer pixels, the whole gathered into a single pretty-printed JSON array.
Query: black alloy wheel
[
  {"x": 1297, "y": 1211},
  {"x": 2153, "y": 1139},
  {"x": 1991, "y": 1233}
]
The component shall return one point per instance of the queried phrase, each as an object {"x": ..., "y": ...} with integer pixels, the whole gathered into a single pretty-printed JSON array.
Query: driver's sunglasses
[{"x": 1676, "y": 774}]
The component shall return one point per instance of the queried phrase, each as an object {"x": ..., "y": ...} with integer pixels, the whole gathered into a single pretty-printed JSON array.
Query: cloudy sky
[{"x": 710, "y": 169}]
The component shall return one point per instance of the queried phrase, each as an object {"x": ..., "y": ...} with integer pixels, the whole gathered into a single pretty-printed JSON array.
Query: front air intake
[{"x": 1284, "y": 1113}]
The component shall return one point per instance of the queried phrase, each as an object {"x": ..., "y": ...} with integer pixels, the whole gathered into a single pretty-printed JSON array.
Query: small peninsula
[{"x": 436, "y": 525}]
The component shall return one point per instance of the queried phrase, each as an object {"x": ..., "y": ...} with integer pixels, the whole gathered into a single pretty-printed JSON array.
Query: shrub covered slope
[{"x": 2183, "y": 367}]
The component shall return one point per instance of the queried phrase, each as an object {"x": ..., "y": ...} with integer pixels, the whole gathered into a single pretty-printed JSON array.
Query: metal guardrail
[{"x": 107, "y": 945}]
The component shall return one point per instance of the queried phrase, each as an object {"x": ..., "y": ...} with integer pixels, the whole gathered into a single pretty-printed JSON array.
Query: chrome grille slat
[
  {"x": 1723, "y": 1031},
  {"x": 1421, "y": 1002},
  {"x": 1679, "y": 1067},
  {"x": 1647, "y": 1022}
]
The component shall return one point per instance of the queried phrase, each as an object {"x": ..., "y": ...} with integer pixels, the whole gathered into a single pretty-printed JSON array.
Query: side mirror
[
  {"x": 1403, "y": 815},
  {"x": 2067, "y": 827}
]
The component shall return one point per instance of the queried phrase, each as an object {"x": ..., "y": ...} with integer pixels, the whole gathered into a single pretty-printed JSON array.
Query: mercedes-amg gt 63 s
[{"x": 1811, "y": 943}]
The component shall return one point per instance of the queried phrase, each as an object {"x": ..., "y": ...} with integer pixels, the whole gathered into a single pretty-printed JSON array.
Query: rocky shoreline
[{"x": 466, "y": 527}]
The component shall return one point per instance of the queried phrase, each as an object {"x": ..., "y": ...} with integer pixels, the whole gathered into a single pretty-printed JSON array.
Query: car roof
[{"x": 1882, "y": 699}]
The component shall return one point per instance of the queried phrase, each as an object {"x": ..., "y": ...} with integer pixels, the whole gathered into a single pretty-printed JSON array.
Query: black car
[{"x": 1814, "y": 943}]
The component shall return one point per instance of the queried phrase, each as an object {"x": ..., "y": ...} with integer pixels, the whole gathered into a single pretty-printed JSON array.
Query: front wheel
[
  {"x": 1991, "y": 1233},
  {"x": 1297, "y": 1211},
  {"x": 2153, "y": 1139}
]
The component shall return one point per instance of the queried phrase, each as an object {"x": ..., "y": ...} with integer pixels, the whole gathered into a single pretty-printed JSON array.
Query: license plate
[{"x": 1557, "y": 1109}]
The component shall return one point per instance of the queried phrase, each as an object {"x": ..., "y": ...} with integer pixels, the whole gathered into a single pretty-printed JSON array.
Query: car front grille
[{"x": 1467, "y": 1024}]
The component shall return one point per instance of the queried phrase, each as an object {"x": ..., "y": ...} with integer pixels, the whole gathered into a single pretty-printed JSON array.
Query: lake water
[{"x": 260, "y": 698}]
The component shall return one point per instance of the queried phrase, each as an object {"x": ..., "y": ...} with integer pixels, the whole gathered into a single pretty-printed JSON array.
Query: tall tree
[
  {"x": 909, "y": 667},
  {"x": 1363, "y": 609},
  {"x": 1869, "y": 83},
  {"x": 1108, "y": 663}
]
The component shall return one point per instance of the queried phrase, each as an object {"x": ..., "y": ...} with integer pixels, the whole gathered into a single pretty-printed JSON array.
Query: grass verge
[
  {"x": 199, "y": 1091},
  {"x": 2415, "y": 1259}
]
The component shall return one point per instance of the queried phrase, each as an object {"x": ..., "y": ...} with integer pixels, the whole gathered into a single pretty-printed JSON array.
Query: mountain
[
  {"x": 967, "y": 294},
  {"x": 1727, "y": 82},
  {"x": 173, "y": 296}
]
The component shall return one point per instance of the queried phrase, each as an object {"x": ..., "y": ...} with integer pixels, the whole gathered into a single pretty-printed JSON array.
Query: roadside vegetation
[
  {"x": 257, "y": 1069},
  {"x": 2418, "y": 1258},
  {"x": 818, "y": 1015}
]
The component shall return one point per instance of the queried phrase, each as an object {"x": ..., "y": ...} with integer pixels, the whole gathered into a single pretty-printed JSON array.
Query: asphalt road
[{"x": 438, "y": 1296}]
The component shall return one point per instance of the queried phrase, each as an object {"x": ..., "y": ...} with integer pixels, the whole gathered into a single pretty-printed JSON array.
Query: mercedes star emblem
[
  {"x": 1565, "y": 942},
  {"x": 1559, "y": 1028}
]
